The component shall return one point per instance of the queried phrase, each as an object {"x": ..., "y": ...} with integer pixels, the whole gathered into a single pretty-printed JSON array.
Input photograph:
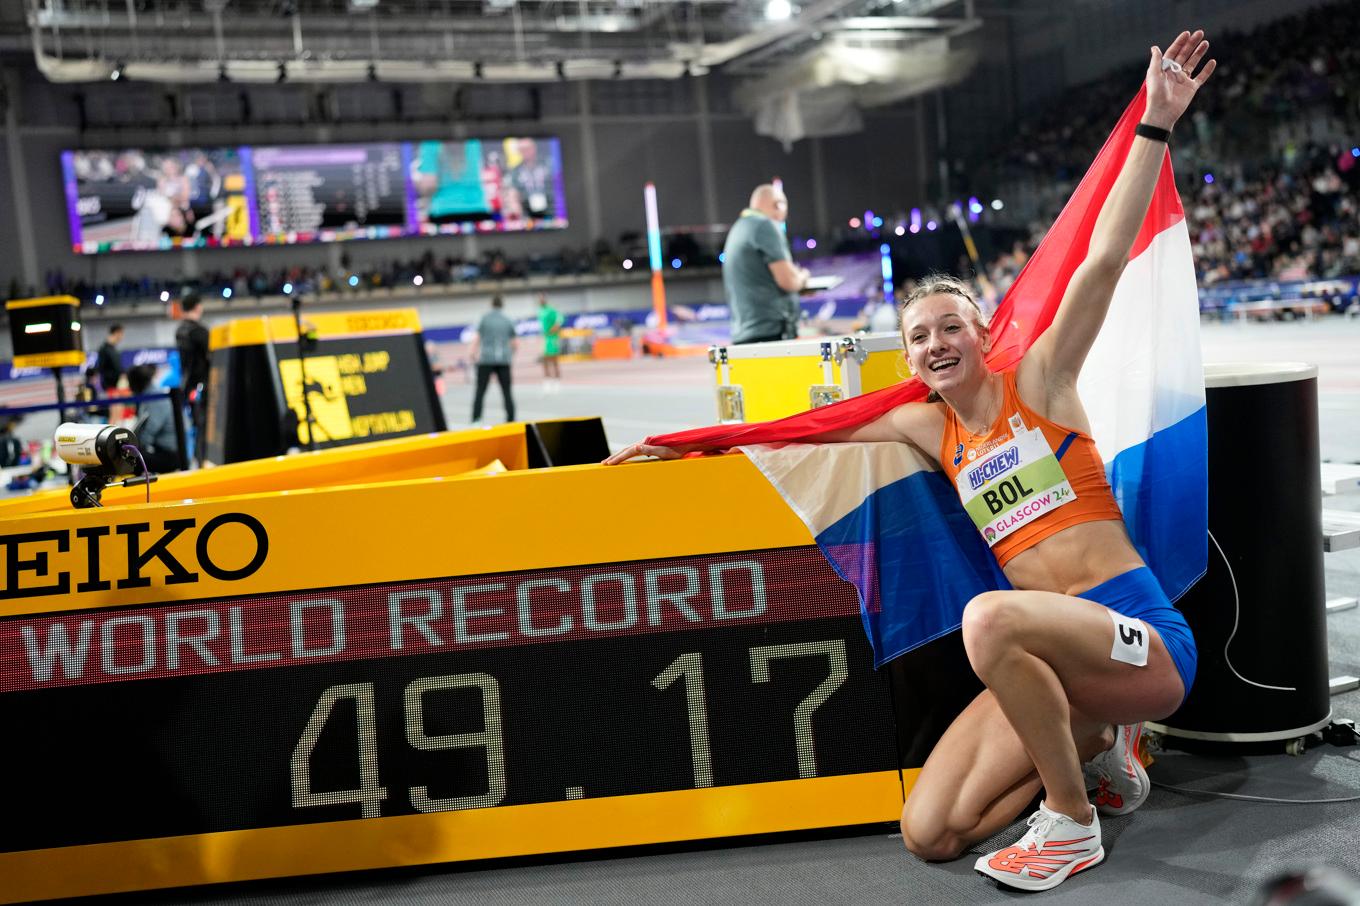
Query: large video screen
[
  {"x": 133, "y": 199},
  {"x": 463, "y": 184},
  {"x": 136, "y": 200},
  {"x": 327, "y": 193}
]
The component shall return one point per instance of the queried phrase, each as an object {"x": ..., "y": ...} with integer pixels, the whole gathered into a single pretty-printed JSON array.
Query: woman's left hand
[{"x": 1172, "y": 86}]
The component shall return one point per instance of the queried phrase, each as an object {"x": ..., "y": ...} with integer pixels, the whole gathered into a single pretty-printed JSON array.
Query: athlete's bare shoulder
[{"x": 921, "y": 424}]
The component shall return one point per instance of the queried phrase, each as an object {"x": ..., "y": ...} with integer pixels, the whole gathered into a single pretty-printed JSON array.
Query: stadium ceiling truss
[{"x": 768, "y": 42}]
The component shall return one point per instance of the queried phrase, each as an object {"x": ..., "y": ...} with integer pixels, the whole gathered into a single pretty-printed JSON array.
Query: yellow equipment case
[{"x": 758, "y": 382}]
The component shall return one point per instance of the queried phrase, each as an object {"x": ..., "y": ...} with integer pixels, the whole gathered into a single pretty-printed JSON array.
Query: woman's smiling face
[{"x": 944, "y": 341}]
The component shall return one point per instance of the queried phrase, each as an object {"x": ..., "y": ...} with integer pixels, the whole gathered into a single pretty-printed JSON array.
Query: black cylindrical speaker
[{"x": 1259, "y": 614}]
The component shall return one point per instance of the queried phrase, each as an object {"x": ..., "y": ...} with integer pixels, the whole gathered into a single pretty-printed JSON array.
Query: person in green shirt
[{"x": 550, "y": 319}]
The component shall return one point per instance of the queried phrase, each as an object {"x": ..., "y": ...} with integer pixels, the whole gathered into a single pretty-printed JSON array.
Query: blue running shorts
[{"x": 1139, "y": 595}]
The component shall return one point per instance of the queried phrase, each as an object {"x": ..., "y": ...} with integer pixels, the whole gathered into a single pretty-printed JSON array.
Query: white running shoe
[
  {"x": 1054, "y": 847},
  {"x": 1121, "y": 781}
]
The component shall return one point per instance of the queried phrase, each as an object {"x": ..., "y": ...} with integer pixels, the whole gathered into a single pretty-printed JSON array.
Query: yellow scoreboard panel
[
  {"x": 297, "y": 666},
  {"x": 366, "y": 378}
]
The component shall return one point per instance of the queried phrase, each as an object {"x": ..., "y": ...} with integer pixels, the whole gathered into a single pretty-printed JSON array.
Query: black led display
[{"x": 464, "y": 693}]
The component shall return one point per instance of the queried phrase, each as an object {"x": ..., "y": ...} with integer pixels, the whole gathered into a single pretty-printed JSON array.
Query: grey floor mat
[{"x": 1177, "y": 848}]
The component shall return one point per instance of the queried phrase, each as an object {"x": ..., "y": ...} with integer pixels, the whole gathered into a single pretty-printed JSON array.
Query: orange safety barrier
[{"x": 612, "y": 348}]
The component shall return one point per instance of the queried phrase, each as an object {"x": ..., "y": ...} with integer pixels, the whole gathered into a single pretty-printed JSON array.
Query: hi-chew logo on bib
[
  {"x": 993, "y": 467},
  {"x": 1014, "y": 485}
]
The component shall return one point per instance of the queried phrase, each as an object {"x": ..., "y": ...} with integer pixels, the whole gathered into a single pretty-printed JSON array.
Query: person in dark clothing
[
  {"x": 191, "y": 339},
  {"x": 101, "y": 378},
  {"x": 11, "y": 448},
  {"x": 155, "y": 423},
  {"x": 108, "y": 364}
]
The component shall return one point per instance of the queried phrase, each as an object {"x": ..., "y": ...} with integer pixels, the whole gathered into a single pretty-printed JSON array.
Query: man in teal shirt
[
  {"x": 759, "y": 275},
  {"x": 493, "y": 351}
]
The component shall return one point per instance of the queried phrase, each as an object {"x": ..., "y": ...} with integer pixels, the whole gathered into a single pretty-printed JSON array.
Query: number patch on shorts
[{"x": 1131, "y": 641}]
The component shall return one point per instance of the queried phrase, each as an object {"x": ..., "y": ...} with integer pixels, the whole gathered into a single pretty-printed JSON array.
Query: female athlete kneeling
[{"x": 1086, "y": 646}]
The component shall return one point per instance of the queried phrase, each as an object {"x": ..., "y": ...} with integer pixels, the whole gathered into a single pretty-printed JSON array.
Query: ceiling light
[{"x": 778, "y": 10}]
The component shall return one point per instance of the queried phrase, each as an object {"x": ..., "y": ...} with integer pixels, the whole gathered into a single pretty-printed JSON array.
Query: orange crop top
[{"x": 1018, "y": 495}]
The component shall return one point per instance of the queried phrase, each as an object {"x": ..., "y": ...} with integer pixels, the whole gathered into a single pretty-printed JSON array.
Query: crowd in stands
[
  {"x": 426, "y": 270},
  {"x": 1268, "y": 165},
  {"x": 240, "y": 283}
]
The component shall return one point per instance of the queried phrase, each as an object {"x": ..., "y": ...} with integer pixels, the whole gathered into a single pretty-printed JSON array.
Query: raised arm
[{"x": 1061, "y": 350}]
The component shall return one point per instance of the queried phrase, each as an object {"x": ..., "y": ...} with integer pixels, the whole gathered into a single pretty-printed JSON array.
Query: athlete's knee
[
  {"x": 927, "y": 832},
  {"x": 937, "y": 846},
  {"x": 991, "y": 624}
]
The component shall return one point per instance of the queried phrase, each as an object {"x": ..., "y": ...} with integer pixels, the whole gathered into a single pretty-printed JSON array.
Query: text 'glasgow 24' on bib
[{"x": 1014, "y": 484}]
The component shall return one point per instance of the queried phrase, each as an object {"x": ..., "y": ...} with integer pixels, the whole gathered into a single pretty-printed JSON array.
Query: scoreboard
[
  {"x": 269, "y": 684},
  {"x": 415, "y": 698}
]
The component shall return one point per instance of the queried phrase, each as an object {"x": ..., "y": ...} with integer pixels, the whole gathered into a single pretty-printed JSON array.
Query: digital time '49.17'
[{"x": 558, "y": 725}]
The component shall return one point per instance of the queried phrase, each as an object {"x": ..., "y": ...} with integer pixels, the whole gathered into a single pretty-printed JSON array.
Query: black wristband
[{"x": 1152, "y": 132}]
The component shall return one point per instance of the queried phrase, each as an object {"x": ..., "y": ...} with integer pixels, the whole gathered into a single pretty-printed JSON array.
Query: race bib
[
  {"x": 1013, "y": 485},
  {"x": 1131, "y": 640}
]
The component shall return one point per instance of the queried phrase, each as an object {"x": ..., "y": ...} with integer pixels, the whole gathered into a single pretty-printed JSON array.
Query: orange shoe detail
[
  {"x": 1015, "y": 859},
  {"x": 1108, "y": 797}
]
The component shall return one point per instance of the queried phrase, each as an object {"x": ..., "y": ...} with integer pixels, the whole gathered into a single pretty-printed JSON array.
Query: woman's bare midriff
[{"x": 1074, "y": 560}]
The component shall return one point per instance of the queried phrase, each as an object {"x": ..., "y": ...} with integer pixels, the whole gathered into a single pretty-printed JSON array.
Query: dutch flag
[{"x": 892, "y": 525}]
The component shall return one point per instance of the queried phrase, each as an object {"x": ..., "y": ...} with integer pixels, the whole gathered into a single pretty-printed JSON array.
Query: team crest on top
[{"x": 958, "y": 454}]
